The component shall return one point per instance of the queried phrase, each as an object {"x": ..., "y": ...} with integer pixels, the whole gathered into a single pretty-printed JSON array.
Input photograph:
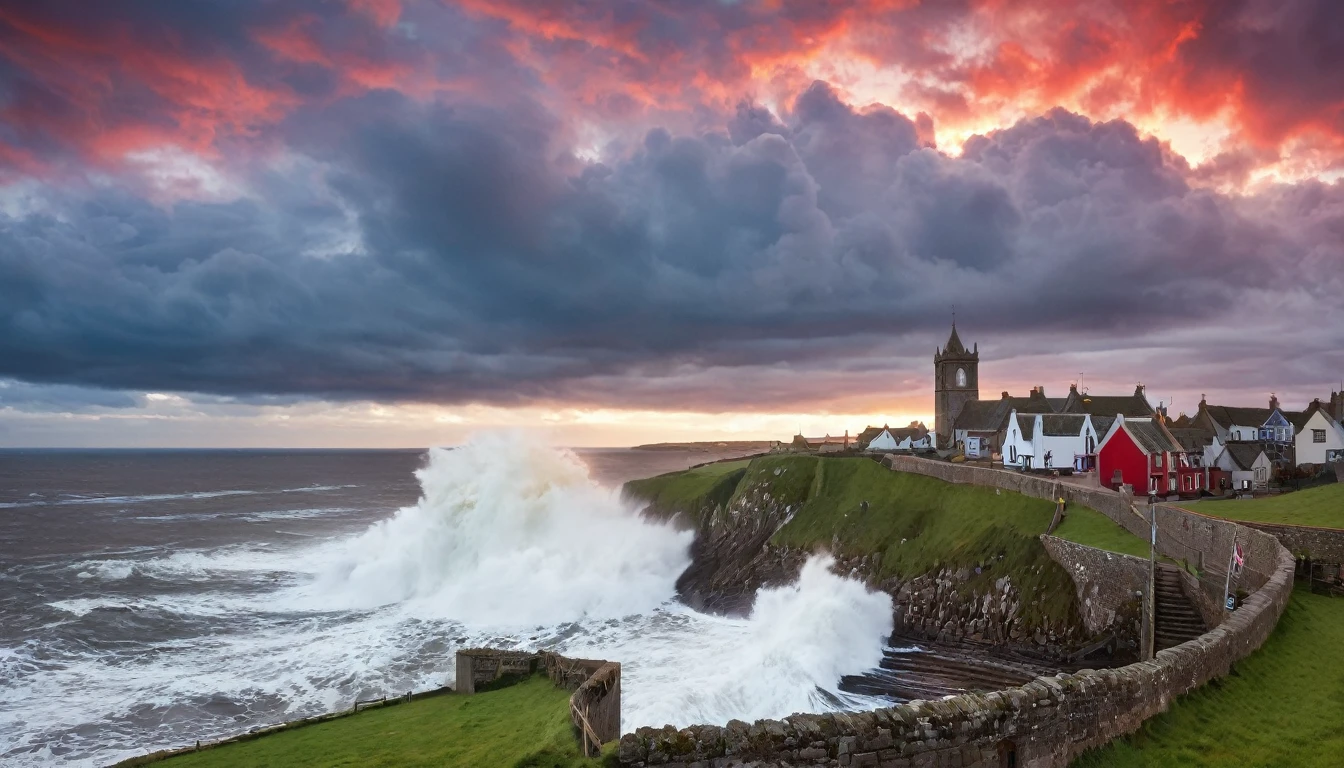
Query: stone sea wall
[
  {"x": 1042, "y": 724},
  {"x": 1110, "y": 588},
  {"x": 595, "y": 685},
  {"x": 1204, "y": 542},
  {"x": 1322, "y": 545}
]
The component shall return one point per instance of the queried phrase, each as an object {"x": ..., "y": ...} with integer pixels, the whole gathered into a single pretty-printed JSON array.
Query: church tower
[{"x": 956, "y": 380}]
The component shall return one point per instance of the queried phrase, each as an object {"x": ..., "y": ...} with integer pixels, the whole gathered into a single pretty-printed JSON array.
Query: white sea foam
[
  {"x": 509, "y": 533},
  {"x": 798, "y": 642},
  {"x": 510, "y": 546},
  {"x": 82, "y": 606}
]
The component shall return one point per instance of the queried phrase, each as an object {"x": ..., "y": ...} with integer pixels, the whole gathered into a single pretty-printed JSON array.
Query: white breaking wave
[
  {"x": 509, "y": 533},
  {"x": 511, "y": 545},
  {"x": 798, "y": 642}
]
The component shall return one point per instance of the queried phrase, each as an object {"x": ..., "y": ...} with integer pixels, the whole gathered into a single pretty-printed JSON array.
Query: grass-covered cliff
[{"x": 900, "y": 528}]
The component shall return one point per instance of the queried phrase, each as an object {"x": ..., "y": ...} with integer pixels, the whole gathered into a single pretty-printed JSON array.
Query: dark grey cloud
[{"x": 458, "y": 252}]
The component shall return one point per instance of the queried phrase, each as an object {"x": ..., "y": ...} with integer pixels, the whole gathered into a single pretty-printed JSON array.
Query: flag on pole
[{"x": 1238, "y": 559}]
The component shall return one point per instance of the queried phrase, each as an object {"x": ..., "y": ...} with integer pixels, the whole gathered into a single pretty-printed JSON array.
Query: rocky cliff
[{"x": 963, "y": 565}]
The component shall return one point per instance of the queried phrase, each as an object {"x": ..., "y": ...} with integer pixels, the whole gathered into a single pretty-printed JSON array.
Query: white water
[
  {"x": 510, "y": 545},
  {"x": 508, "y": 533}
]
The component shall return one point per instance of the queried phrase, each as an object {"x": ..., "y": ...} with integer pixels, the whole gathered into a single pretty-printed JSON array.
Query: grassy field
[
  {"x": 693, "y": 492},
  {"x": 1322, "y": 507},
  {"x": 522, "y": 726},
  {"x": 1090, "y": 527},
  {"x": 1283, "y": 706}
]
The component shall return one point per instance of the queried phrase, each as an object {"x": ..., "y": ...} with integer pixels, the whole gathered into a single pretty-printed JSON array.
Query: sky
[{"x": 383, "y": 223}]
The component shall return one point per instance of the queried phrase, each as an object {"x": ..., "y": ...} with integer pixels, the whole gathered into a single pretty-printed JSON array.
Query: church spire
[{"x": 954, "y": 345}]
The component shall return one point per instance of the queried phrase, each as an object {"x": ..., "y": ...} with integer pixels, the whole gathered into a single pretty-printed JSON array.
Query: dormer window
[{"x": 961, "y": 377}]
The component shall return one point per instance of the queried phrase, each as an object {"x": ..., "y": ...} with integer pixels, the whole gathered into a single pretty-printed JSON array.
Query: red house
[{"x": 1142, "y": 454}]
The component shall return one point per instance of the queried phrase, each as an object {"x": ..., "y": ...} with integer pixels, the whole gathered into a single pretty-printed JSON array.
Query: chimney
[
  {"x": 1073, "y": 388},
  {"x": 1273, "y": 402},
  {"x": 1041, "y": 388},
  {"x": 1138, "y": 390},
  {"x": 1005, "y": 394},
  {"x": 1202, "y": 400}
]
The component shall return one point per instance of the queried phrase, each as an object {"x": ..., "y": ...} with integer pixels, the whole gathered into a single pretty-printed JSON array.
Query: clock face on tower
[{"x": 961, "y": 377}]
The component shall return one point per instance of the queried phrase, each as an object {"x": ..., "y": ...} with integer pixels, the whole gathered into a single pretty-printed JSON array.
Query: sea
[{"x": 150, "y": 599}]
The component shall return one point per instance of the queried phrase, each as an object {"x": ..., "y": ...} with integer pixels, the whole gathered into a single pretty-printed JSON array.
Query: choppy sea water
[{"x": 152, "y": 598}]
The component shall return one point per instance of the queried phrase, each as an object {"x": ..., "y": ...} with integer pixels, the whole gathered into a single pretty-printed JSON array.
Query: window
[
  {"x": 1012, "y": 453},
  {"x": 1318, "y": 435},
  {"x": 961, "y": 377},
  {"x": 1092, "y": 444}
]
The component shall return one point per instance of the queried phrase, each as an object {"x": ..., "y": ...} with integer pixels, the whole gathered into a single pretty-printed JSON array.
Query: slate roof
[
  {"x": 1026, "y": 422},
  {"x": 1151, "y": 436},
  {"x": 1103, "y": 425},
  {"x": 1297, "y": 418},
  {"x": 983, "y": 415},
  {"x": 1062, "y": 424},
  {"x": 1129, "y": 406},
  {"x": 1244, "y": 454},
  {"x": 1230, "y": 415},
  {"x": 867, "y": 435},
  {"x": 992, "y": 415},
  {"x": 1192, "y": 439}
]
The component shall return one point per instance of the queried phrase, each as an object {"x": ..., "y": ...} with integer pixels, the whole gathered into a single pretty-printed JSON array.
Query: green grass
[
  {"x": 917, "y": 524},
  {"x": 523, "y": 726},
  {"x": 692, "y": 492},
  {"x": 1088, "y": 526},
  {"x": 920, "y": 524},
  {"x": 1322, "y": 507},
  {"x": 1283, "y": 706}
]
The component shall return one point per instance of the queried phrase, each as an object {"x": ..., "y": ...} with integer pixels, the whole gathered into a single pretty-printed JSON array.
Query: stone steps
[{"x": 1177, "y": 621}]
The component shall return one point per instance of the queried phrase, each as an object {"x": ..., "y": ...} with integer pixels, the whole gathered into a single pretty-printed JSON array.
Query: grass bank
[
  {"x": 522, "y": 726},
  {"x": 913, "y": 523},
  {"x": 1322, "y": 507},
  {"x": 1283, "y": 706},
  {"x": 1088, "y": 526},
  {"x": 693, "y": 492}
]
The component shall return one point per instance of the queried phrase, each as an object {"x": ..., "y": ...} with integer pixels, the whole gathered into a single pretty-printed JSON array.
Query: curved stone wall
[{"x": 1042, "y": 724}]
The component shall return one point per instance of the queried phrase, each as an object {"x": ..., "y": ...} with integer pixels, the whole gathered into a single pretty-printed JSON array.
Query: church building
[
  {"x": 956, "y": 381},
  {"x": 964, "y": 422}
]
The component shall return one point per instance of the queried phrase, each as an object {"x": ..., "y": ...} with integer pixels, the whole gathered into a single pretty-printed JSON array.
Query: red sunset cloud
[{"x": 1259, "y": 70}]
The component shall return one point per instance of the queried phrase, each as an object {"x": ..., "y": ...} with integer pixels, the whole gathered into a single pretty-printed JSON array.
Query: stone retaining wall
[
  {"x": 595, "y": 684},
  {"x": 1321, "y": 545},
  {"x": 478, "y": 668},
  {"x": 1114, "y": 505},
  {"x": 1043, "y": 724},
  {"x": 1203, "y": 541},
  {"x": 1110, "y": 589}
]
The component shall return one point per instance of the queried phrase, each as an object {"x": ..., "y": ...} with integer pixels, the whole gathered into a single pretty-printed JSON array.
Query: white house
[
  {"x": 901, "y": 439},
  {"x": 1249, "y": 465},
  {"x": 1049, "y": 441},
  {"x": 1321, "y": 439},
  {"x": 1231, "y": 423}
]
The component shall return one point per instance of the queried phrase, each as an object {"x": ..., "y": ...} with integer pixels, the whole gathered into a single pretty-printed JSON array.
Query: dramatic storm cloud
[{"x": 667, "y": 207}]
